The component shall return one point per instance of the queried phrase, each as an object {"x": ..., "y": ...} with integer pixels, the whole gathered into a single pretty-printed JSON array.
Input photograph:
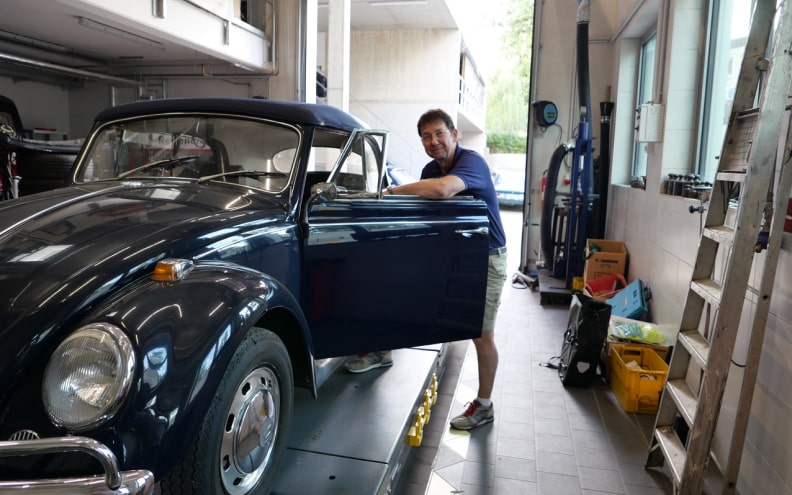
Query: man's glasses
[{"x": 427, "y": 138}]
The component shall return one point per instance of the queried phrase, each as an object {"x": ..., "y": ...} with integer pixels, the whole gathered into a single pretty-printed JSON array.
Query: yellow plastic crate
[{"x": 638, "y": 390}]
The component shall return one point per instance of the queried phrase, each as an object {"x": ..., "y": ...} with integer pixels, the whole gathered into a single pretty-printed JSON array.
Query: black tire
[
  {"x": 548, "y": 206},
  {"x": 256, "y": 397}
]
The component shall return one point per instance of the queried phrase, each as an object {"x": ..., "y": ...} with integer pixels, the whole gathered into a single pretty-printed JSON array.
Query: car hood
[{"x": 63, "y": 251}]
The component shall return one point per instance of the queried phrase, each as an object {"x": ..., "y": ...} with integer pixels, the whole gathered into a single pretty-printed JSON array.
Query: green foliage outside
[
  {"x": 518, "y": 41},
  {"x": 505, "y": 143},
  {"x": 508, "y": 94}
]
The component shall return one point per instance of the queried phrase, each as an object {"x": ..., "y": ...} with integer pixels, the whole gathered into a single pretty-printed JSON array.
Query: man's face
[{"x": 437, "y": 140}]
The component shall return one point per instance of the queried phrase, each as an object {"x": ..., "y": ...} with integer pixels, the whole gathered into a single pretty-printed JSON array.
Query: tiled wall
[
  {"x": 659, "y": 231},
  {"x": 662, "y": 238}
]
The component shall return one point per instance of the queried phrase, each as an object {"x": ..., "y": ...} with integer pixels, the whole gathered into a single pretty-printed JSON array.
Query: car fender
[{"x": 185, "y": 333}]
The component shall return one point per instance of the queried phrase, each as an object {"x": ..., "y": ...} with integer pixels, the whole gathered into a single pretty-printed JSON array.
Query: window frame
[
  {"x": 710, "y": 146},
  {"x": 644, "y": 84},
  {"x": 367, "y": 146}
]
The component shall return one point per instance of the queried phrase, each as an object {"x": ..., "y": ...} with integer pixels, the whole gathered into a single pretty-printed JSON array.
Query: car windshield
[{"x": 253, "y": 153}]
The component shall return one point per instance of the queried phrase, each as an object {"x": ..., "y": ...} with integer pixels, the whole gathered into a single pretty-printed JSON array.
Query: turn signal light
[{"x": 172, "y": 270}]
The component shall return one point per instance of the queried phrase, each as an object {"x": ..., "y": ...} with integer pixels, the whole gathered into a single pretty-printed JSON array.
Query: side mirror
[{"x": 325, "y": 191}]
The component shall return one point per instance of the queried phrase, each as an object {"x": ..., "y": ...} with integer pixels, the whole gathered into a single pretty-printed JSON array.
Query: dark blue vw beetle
[{"x": 208, "y": 256}]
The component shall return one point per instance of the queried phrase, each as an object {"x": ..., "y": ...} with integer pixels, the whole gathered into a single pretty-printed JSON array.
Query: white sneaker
[
  {"x": 370, "y": 361},
  {"x": 474, "y": 416}
]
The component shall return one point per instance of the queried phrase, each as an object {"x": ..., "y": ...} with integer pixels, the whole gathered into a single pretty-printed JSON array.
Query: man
[{"x": 457, "y": 170}]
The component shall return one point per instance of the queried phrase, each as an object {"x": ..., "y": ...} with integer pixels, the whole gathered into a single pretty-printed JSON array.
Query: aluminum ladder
[{"x": 703, "y": 353}]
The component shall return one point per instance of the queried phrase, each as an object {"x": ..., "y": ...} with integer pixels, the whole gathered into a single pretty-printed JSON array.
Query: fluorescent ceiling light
[
  {"x": 90, "y": 23},
  {"x": 396, "y": 3},
  {"x": 18, "y": 38},
  {"x": 243, "y": 67},
  {"x": 42, "y": 254}
]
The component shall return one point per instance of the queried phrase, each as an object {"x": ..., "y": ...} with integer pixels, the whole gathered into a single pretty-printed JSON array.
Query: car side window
[
  {"x": 353, "y": 162},
  {"x": 361, "y": 168}
]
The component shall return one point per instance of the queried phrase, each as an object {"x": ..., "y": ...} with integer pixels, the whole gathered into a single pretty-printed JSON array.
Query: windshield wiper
[
  {"x": 169, "y": 163},
  {"x": 242, "y": 173}
]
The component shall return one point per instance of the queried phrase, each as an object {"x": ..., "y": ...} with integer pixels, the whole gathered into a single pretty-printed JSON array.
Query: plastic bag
[{"x": 645, "y": 333}]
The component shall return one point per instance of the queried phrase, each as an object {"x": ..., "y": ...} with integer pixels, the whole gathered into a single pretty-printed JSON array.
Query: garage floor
[{"x": 546, "y": 439}]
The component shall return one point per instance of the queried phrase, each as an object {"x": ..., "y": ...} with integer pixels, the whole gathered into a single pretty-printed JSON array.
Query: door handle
[{"x": 468, "y": 233}]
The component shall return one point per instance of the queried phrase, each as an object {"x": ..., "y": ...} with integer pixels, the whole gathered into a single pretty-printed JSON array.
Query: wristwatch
[{"x": 390, "y": 189}]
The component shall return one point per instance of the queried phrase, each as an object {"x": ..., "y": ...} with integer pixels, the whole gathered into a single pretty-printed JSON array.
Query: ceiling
[
  {"x": 49, "y": 33},
  {"x": 395, "y": 14}
]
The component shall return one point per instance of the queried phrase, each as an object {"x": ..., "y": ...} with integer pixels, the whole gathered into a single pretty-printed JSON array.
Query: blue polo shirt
[{"x": 473, "y": 170}]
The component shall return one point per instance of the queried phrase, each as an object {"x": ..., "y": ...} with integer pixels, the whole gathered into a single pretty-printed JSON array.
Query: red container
[{"x": 605, "y": 286}]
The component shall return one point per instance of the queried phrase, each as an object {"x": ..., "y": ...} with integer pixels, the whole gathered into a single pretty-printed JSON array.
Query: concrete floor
[{"x": 546, "y": 439}]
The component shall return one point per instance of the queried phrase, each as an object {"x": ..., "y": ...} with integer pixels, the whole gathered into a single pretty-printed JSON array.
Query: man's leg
[
  {"x": 486, "y": 351},
  {"x": 480, "y": 411},
  {"x": 487, "y": 355}
]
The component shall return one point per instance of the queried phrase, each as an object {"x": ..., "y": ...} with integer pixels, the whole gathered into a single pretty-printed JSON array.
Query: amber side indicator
[{"x": 172, "y": 270}]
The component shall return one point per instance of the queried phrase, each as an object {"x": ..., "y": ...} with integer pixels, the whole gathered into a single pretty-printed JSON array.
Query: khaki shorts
[{"x": 496, "y": 277}]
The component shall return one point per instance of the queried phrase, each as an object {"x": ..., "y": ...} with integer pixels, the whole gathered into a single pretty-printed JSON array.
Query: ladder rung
[
  {"x": 696, "y": 345},
  {"x": 730, "y": 176},
  {"x": 673, "y": 451},
  {"x": 740, "y": 138},
  {"x": 720, "y": 233},
  {"x": 708, "y": 289},
  {"x": 683, "y": 397},
  {"x": 748, "y": 113}
]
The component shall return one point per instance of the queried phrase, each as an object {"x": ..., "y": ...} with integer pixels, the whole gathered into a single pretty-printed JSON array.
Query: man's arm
[{"x": 439, "y": 188}]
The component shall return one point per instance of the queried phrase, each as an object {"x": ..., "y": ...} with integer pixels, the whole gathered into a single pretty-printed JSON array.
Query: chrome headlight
[{"x": 88, "y": 376}]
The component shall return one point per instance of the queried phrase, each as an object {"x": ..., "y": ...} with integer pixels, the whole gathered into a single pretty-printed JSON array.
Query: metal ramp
[
  {"x": 354, "y": 438},
  {"x": 702, "y": 357}
]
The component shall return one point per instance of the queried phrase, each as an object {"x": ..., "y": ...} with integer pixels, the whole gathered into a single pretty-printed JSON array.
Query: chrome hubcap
[{"x": 250, "y": 431}]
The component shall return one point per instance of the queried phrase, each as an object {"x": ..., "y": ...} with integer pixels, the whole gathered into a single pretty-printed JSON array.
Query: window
[
  {"x": 352, "y": 162},
  {"x": 193, "y": 146},
  {"x": 361, "y": 170},
  {"x": 730, "y": 21},
  {"x": 356, "y": 166},
  {"x": 644, "y": 95}
]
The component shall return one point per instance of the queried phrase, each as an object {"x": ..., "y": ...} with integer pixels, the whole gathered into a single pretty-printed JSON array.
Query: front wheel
[{"x": 243, "y": 436}]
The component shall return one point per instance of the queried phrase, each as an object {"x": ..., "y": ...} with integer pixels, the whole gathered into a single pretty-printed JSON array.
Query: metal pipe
[
  {"x": 626, "y": 21},
  {"x": 603, "y": 175},
  {"x": 84, "y": 74},
  {"x": 584, "y": 91},
  {"x": 68, "y": 59}
]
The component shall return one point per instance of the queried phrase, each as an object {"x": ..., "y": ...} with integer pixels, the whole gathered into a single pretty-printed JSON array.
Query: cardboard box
[{"x": 610, "y": 257}]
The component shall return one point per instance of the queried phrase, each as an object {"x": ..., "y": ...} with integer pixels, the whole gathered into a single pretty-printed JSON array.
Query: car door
[{"x": 393, "y": 271}]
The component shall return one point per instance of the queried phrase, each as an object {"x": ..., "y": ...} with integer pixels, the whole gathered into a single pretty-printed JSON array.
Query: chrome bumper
[{"x": 114, "y": 482}]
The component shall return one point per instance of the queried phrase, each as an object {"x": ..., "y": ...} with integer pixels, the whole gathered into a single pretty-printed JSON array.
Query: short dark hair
[{"x": 435, "y": 114}]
